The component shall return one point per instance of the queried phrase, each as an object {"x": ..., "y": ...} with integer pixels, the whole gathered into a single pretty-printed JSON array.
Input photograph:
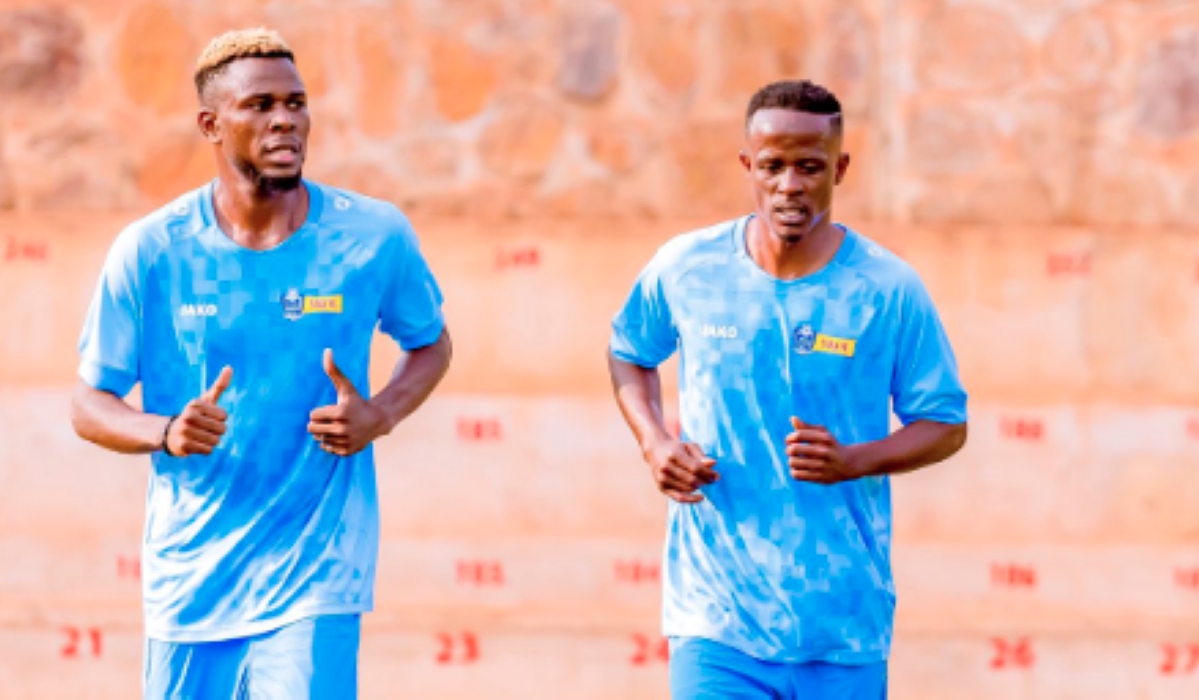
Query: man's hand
[
  {"x": 813, "y": 454},
  {"x": 680, "y": 469},
  {"x": 198, "y": 429},
  {"x": 351, "y": 424}
]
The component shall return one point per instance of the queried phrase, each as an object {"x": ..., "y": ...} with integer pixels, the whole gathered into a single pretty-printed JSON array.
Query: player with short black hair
[{"x": 797, "y": 338}]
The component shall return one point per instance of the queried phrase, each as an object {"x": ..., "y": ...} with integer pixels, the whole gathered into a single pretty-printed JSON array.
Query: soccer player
[
  {"x": 246, "y": 310},
  {"x": 797, "y": 337}
]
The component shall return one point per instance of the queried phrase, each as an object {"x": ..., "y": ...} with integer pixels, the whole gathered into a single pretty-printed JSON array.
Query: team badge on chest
[
  {"x": 807, "y": 341},
  {"x": 804, "y": 339},
  {"x": 296, "y": 305}
]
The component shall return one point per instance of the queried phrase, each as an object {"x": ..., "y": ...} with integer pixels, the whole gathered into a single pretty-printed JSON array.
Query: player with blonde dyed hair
[{"x": 227, "y": 306}]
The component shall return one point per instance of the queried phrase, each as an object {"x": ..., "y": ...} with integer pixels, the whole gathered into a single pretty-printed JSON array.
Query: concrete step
[{"x": 67, "y": 661}]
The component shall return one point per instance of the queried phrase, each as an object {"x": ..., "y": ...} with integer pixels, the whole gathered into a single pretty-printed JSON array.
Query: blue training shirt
[
  {"x": 780, "y": 569},
  {"x": 269, "y": 528}
]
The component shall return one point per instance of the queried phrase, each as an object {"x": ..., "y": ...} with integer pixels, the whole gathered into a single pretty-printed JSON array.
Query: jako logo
[
  {"x": 193, "y": 310},
  {"x": 710, "y": 331}
]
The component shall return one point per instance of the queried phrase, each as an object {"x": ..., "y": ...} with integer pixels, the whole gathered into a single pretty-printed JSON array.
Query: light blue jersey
[
  {"x": 269, "y": 528},
  {"x": 779, "y": 569}
]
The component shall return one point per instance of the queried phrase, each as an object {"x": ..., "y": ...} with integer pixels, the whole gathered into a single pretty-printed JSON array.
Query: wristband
[{"x": 165, "y": 432}]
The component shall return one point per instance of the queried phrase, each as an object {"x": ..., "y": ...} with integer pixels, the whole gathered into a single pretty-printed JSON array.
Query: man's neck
[
  {"x": 255, "y": 220},
  {"x": 792, "y": 260}
]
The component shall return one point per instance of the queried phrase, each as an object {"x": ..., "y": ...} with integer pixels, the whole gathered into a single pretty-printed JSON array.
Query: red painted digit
[
  {"x": 664, "y": 649},
  {"x": 1192, "y": 658},
  {"x": 641, "y": 656},
  {"x": 97, "y": 647},
  {"x": 71, "y": 649},
  {"x": 472, "y": 647},
  {"x": 1170, "y": 659},
  {"x": 1000, "y": 659},
  {"x": 1023, "y": 655},
  {"x": 446, "y": 653}
]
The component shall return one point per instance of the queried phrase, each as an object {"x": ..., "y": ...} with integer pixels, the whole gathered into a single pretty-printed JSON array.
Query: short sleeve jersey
[
  {"x": 269, "y": 528},
  {"x": 780, "y": 569}
]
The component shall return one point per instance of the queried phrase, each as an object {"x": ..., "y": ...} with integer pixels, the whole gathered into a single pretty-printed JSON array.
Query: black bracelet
[{"x": 166, "y": 431}]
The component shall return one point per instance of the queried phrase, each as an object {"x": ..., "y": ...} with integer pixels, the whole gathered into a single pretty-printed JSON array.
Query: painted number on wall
[
  {"x": 24, "y": 251},
  {"x": 1012, "y": 654},
  {"x": 82, "y": 642},
  {"x": 633, "y": 571},
  {"x": 1022, "y": 429},
  {"x": 648, "y": 649},
  {"x": 461, "y": 648},
  {"x": 480, "y": 430},
  {"x": 1072, "y": 264},
  {"x": 526, "y": 256},
  {"x": 129, "y": 568},
  {"x": 1179, "y": 659},
  {"x": 480, "y": 573},
  {"x": 1187, "y": 578},
  {"x": 1013, "y": 576}
]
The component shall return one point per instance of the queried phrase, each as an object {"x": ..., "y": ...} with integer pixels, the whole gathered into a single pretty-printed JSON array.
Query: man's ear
[
  {"x": 210, "y": 127},
  {"x": 745, "y": 161},
  {"x": 842, "y": 166}
]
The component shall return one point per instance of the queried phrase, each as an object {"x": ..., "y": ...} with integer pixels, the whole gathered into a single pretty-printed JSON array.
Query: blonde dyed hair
[{"x": 234, "y": 45}]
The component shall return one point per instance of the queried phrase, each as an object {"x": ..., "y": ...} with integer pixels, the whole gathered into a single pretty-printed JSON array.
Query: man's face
[
  {"x": 793, "y": 161},
  {"x": 257, "y": 113}
]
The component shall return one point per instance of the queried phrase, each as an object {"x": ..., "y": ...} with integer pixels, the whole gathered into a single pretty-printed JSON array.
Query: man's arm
[
  {"x": 914, "y": 446},
  {"x": 105, "y": 419},
  {"x": 678, "y": 468},
  {"x": 412, "y": 381},
  {"x": 815, "y": 455},
  {"x": 353, "y": 422}
]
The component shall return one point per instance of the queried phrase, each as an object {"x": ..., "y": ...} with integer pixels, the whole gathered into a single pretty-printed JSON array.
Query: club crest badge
[
  {"x": 805, "y": 339},
  {"x": 293, "y": 305}
]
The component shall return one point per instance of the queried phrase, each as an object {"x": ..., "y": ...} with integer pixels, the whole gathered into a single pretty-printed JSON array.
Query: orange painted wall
[{"x": 1035, "y": 161}]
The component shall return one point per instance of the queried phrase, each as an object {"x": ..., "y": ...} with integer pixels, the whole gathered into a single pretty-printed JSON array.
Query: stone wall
[{"x": 989, "y": 111}]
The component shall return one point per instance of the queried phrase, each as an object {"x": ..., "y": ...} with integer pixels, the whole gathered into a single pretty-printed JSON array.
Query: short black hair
[{"x": 797, "y": 95}]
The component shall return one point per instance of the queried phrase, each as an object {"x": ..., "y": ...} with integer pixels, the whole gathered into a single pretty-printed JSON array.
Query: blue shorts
[
  {"x": 312, "y": 659},
  {"x": 701, "y": 669}
]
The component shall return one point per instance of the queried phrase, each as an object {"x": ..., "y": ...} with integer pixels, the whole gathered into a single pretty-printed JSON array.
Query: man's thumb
[
  {"x": 796, "y": 423},
  {"x": 219, "y": 386},
  {"x": 343, "y": 385}
]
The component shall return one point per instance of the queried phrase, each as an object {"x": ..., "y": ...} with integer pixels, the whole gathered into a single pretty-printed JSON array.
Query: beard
[{"x": 267, "y": 185}]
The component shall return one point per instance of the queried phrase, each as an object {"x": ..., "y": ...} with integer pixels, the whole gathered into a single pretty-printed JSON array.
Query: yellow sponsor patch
[
  {"x": 323, "y": 305},
  {"x": 834, "y": 346}
]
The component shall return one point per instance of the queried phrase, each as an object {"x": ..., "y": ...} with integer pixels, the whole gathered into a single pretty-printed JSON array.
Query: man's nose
[
  {"x": 282, "y": 120},
  {"x": 790, "y": 181}
]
